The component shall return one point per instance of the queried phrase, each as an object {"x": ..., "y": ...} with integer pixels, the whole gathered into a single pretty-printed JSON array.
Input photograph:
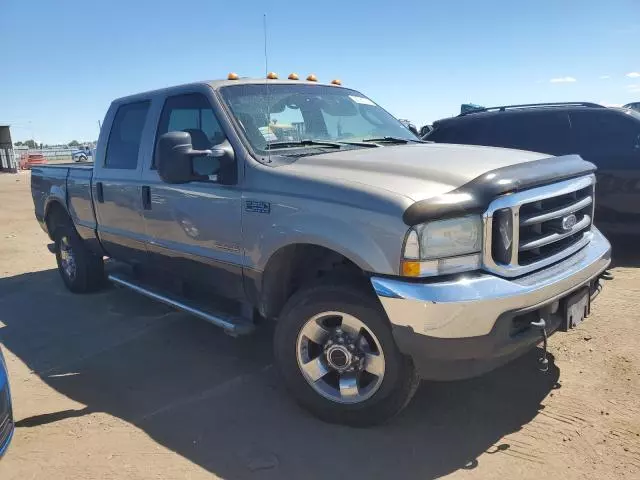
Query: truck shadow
[
  {"x": 625, "y": 251},
  {"x": 217, "y": 401}
]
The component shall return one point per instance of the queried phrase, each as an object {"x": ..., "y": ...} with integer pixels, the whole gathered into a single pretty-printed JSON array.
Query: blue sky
[{"x": 419, "y": 59}]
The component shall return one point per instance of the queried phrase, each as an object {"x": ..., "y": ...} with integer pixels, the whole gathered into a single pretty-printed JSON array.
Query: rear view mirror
[
  {"x": 173, "y": 159},
  {"x": 178, "y": 162}
]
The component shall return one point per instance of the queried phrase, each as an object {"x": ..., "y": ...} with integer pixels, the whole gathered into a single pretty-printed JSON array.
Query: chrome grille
[{"x": 528, "y": 230}]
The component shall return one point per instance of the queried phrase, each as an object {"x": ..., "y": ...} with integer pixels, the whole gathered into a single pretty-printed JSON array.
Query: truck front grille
[{"x": 529, "y": 230}]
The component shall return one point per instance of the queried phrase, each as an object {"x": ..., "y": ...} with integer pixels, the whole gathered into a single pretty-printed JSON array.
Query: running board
[{"x": 233, "y": 325}]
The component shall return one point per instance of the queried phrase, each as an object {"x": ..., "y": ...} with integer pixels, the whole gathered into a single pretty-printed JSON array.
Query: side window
[
  {"x": 192, "y": 113},
  {"x": 463, "y": 132},
  {"x": 443, "y": 134},
  {"x": 545, "y": 132},
  {"x": 124, "y": 139},
  {"x": 605, "y": 131}
]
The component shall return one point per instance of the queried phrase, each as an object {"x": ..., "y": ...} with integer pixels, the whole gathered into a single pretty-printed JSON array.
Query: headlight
[{"x": 443, "y": 246}]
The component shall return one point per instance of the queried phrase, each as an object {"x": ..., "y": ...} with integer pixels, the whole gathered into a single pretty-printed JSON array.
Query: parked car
[
  {"x": 633, "y": 106},
  {"x": 607, "y": 137},
  {"x": 424, "y": 130},
  {"x": 28, "y": 160},
  {"x": 82, "y": 155},
  {"x": 383, "y": 259},
  {"x": 6, "y": 413},
  {"x": 409, "y": 125}
]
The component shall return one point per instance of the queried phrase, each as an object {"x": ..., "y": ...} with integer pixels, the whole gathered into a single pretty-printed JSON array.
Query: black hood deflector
[{"x": 476, "y": 195}]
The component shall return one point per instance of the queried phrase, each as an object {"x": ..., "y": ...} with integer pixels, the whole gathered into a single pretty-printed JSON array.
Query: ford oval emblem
[{"x": 569, "y": 222}]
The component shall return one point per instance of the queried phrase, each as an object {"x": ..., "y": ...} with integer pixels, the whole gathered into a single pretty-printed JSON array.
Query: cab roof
[{"x": 217, "y": 84}]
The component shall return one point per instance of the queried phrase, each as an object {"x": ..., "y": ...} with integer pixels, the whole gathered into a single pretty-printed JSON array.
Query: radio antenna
[{"x": 266, "y": 86}]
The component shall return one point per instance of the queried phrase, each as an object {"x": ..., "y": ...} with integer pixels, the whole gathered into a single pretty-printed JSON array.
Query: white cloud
[
  {"x": 605, "y": 77},
  {"x": 563, "y": 80},
  {"x": 633, "y": 74}
]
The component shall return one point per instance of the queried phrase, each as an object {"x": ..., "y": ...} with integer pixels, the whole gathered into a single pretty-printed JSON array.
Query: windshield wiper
[
  {"x": 302, "y": 143},
  {"x": 360, "y": 144},
  {"x": 398, "y": 140}
]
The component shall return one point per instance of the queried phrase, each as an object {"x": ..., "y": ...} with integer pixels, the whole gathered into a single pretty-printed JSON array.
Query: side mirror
[{"x": 178, "y": 162}]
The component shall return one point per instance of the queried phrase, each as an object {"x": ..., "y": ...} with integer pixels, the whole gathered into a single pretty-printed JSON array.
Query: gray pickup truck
[{"x": 383, "y": 259}]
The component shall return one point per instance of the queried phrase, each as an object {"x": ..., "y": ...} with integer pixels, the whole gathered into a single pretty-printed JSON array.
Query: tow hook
[
  {"x": 543, "y": 361},
  {"x": 606, "y": 275}
]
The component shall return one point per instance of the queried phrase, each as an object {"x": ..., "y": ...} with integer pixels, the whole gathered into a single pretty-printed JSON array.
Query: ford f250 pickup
[{"x": 383, "y": 259}]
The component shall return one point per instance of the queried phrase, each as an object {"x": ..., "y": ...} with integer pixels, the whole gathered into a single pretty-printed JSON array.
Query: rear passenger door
[
  {"x": 116, "y": 182},
  {"x": 611, "y": 140}
]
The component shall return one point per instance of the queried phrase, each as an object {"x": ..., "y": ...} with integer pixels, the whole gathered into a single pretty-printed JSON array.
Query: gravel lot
[{"x": 112, "y": 385}]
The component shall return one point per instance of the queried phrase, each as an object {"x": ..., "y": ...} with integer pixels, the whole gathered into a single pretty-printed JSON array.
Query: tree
[
  {"x": 31, "y": 144},
  {"x": 18, "y": 144},
  {"x": 74, "y": 143}
]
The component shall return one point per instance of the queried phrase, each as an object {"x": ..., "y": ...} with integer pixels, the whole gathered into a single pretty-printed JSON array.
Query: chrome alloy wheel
[
  {"x": 67, "y": 258},
  {"x": 340, "y": 357}
]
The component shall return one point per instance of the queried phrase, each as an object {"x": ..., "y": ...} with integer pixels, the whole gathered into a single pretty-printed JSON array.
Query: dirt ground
[{"x": 114, "y": 386}]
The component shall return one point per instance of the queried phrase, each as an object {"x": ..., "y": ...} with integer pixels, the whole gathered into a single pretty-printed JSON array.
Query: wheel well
[
  {"x": 295, "y": 266},
  {"x": 56, "y": 216}
]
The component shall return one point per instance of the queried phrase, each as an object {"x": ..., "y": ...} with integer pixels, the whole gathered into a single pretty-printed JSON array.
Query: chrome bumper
[{"x": 470, "y": 306}]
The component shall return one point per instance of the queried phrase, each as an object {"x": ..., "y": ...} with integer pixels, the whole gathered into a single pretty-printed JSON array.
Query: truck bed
[
  {"x": 68, "y": 165},
  {"x": 69, "y": 185}
]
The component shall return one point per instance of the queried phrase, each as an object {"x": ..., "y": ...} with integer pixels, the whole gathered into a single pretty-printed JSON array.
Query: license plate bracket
[{"x": 577, "y": 307}]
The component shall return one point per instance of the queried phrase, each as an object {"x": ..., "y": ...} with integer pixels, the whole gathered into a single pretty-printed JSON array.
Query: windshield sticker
[{"x": 361, "y": 100}]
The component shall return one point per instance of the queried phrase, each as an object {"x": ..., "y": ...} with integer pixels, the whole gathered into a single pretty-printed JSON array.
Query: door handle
[
  {"x": 100, "y": 192},
  {"x": 146, "y": 197}
]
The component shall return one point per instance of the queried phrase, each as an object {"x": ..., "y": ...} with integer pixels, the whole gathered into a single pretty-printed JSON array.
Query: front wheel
[{"x": 337, "y": 356}]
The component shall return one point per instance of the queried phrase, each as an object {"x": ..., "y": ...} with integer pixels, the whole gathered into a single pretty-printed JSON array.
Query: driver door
[{"x": 194, "y": 229}]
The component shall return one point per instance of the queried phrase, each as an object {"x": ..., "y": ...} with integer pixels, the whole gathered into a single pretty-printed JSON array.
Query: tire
[
  {"x": 87, "y": 274},
  {"x": 82, "y": 158},
  {"x": 380, "y": 400}
]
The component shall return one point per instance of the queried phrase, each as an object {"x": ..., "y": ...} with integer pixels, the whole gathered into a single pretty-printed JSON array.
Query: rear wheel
[
  {"x": 80, "y": 269},
  {"x": 336, "y": 353}
]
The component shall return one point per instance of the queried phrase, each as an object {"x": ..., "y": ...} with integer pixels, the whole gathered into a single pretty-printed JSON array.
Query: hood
[{"x": 416, "y": 171}]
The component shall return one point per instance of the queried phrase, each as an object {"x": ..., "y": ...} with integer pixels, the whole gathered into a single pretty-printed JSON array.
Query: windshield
[{"x": 308, "y": 113}]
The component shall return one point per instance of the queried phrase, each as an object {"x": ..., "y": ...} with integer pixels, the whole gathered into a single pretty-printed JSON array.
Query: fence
[
  {"x": 8, "y": 161},
  {"x": 54, "y": 153}
]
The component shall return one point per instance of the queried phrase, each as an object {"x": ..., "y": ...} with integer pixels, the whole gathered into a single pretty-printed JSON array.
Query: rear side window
[
  {"x": 461, "y": 132},
  {"x": 124, "y": 139},
  {"x": 545, "y": 132},
  {"x": 605, "y": 131}
]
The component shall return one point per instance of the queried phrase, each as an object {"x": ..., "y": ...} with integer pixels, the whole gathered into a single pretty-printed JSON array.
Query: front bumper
[{"x": 468, "y": 325}]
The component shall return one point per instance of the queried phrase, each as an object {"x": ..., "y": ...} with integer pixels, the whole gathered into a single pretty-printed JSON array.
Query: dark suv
[
  {"x": 633, "y": 106},
  {"x": 608, "y": 137}
]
